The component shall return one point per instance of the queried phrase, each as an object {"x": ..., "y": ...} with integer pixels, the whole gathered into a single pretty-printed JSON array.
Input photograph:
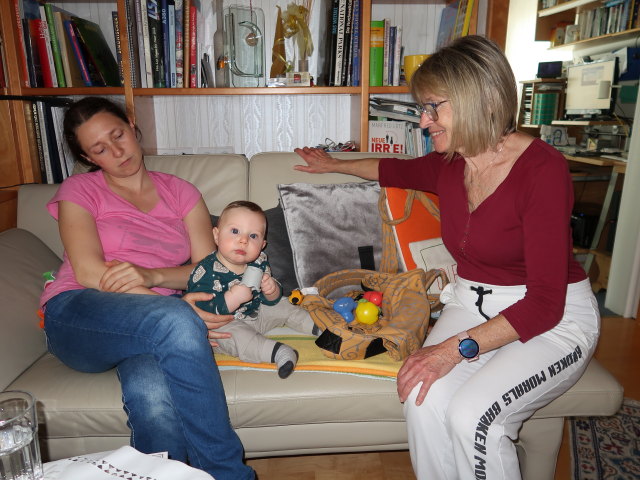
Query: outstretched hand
[
  {"x": 211, "y": 320},
  {"x": 426, "y": 365},
  {"x": 318, "y": 161}
]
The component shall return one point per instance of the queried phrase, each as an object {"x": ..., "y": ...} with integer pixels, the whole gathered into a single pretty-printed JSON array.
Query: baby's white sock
[{"x": 285, "y": 359}]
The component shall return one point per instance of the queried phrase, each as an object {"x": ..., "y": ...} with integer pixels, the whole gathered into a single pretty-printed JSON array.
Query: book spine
[
  {"x": 45, "y": 143},
  {"x": 376, "y": 49},
  {"x": 33, "y": 60},
  {"x": 332, "y": 43},
  {"x": 43, "y": 44},
  {"x": 132, "y": 43},
  {"x": 179, "y": 44},
  {"x": 193, "y": 47},
  {"x": 397, "y": 56},
  {"x": 393, "y": 30},
  {"x": 55, "y": 45},
  {"x": 116, "y": 36},
  {"x": 172, "y": 43},
  {"x": 35, "y": 131},
  {"x": 22, "y": 50},
  {"x": 77, "y": 51},
  {"x": 346, "y": 56},
  {"x": 342, "y": 16},
  {"x": 186, "y": 43},
  {"x": 156, "y": 43},
  {"x": 164, "y": 22},
  {"x": 146, "y": 42},
  {"x": 385, "y": 64},
  {"x": 355, "y": 45}
]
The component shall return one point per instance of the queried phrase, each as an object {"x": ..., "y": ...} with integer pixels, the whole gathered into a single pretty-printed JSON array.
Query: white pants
[{"x": 467, "y": 425}]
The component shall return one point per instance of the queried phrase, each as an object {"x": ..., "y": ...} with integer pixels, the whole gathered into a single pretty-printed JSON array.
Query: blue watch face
[{"x": 468, "y": 348}]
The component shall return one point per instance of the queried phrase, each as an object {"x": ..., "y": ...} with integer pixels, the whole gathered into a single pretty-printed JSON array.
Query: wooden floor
[{"x": 617, "y": 350}]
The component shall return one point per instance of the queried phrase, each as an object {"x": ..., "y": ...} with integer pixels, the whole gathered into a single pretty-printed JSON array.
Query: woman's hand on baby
[
  {"x": 318, "y": 161},
  {"x": 426, "y": 365},
  {"x": 211, "y": 320},
  {"x": 124, "y": 276}
]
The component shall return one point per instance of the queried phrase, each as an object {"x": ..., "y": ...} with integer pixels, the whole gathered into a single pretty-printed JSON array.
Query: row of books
[
  {"x": 163, "y": 39},
  {"x": 45, "y": 119},
  {"x": 398, "y": 137},
  {"x": 58, "y": 49},
  {"x": 394, "y": 109},
  {"x": 344, "y": 43},
  {"x": 614, "y": 16},
  {"x": 385, "y": 54}
]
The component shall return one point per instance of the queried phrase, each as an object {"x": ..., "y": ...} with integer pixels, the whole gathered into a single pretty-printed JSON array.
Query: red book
[
  {"x": 42, "y": 39},
  {"x": 193, "y": 47},
  {"x": 22, "y": 48}
]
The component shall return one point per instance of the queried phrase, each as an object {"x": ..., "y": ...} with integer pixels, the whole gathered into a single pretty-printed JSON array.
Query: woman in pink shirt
[
  {"x": 520, "y": 322},
  {"x": 131, "y": 238}
]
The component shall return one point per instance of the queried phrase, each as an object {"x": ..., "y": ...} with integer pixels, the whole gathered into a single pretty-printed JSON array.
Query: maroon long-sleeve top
[{"x": 519, "y": 235}]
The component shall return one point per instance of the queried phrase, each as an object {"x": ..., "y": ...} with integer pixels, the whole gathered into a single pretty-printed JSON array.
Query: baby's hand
[
  {"x": 240, "y": 293},
  {"x": 269, "y": 286}
]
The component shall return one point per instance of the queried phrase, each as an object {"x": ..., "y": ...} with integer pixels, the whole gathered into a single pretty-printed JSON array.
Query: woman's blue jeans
[{"x": 171, "y": 387}]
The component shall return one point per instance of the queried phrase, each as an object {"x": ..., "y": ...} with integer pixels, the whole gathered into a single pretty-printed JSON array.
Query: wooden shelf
[
  {"x": 564, "y": 6},
  {"x": 141, "y": 92}
]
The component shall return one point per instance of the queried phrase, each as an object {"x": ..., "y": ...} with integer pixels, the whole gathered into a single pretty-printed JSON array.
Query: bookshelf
[
  {"x": 564, "y": 13},
  {"x": 152, "y": 106},
  {"x": 542, "y": 101}
]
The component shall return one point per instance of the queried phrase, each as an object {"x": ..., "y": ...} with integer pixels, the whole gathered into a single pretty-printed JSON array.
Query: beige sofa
[{"x": 307, "y": 413}]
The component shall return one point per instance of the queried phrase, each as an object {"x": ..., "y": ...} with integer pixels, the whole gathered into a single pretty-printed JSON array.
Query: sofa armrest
[{"x": 24, "y": 258}]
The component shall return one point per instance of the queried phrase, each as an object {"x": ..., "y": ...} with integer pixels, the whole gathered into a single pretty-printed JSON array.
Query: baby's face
[{"x": 240, "y": 237}]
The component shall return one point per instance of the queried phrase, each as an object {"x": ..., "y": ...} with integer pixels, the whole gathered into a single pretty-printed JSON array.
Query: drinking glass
[{"x": 19, "y": 449}]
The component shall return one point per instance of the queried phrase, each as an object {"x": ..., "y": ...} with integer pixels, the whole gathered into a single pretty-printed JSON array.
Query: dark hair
[
  {"x": 254, "y": 207},
  {"x": 476, "y": 78},
  {"x": 80, "y": 112}
]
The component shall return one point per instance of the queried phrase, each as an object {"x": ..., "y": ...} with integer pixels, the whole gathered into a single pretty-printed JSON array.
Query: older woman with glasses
[{"x": 520, "y": 322}]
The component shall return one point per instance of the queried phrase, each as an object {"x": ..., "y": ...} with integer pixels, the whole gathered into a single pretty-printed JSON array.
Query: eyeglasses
[{"x": 430, "y": 109}]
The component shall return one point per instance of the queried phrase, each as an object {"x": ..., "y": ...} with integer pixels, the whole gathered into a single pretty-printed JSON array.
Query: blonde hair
[{"x": 475, "y": 77}]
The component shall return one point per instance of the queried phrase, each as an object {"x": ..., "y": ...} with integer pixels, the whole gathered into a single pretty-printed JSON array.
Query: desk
[{"x": 617, "y": 167}]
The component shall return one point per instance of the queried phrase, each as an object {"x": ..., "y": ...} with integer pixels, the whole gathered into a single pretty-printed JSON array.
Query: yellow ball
[{"x": 367, "y": 313}]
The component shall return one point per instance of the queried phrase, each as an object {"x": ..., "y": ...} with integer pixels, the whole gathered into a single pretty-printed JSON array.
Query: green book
[
  {"x": 96, "y": 46},
  {"x": 55, "y": 45},
  {"x": 376, "y": 55}
]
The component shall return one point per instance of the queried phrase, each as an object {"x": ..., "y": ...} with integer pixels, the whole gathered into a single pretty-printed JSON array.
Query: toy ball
[
  {"x": 374, "y": 297},
  {"x": 367, "y": 313},
  {"x": 344, "y": 306},
  {"x": 296, "y": 297}
]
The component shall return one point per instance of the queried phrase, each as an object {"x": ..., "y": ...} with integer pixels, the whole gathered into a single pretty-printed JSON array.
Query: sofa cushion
[
  {"x": 22, "y": 340},
  {"x": 328, "y": 225}
]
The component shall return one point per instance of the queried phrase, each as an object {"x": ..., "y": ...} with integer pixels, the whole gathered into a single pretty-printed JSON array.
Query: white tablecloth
[{"x": 125, "y": 463}]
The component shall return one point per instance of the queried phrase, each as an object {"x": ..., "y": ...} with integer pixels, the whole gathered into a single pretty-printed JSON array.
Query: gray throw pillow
[
  {"x": 278, "y": 249},
  {"x": 331, "y": 227}
]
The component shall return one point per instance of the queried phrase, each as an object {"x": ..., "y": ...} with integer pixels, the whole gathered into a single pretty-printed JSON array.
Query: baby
[{"x": 255, "y": 300}]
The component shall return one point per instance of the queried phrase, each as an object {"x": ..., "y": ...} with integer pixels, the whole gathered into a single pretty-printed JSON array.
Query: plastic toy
[
  {"x": 374, "y": 297},
  {"x": 296, "y": 297},
  {"x": 344, "y": 306},
  {"x": 367, "y": 312}
]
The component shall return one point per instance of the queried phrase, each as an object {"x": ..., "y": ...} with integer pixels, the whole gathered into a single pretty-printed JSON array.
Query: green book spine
[
  {"x": 55, "y": 46},
  {"x": 376, "y": 49}
]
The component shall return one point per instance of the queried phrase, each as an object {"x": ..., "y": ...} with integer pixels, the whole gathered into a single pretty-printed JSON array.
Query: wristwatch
[{"x": 468, "y": 347}]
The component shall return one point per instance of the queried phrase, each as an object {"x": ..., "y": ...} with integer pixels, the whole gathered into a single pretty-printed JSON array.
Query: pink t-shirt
[{"x": 155, "y": 239}]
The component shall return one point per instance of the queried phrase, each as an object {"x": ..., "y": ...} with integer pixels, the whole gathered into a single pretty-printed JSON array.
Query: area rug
[{"x": 607, "y": 448}]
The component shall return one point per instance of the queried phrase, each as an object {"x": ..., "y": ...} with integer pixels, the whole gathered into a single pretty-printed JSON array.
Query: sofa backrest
[
  {"x": 268, "y": 169},
  {"x": 220, "y": 178}
]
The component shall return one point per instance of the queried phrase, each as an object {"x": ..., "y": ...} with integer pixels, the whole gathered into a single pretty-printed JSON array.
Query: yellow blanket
[{"x": 312, "y": 360}]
